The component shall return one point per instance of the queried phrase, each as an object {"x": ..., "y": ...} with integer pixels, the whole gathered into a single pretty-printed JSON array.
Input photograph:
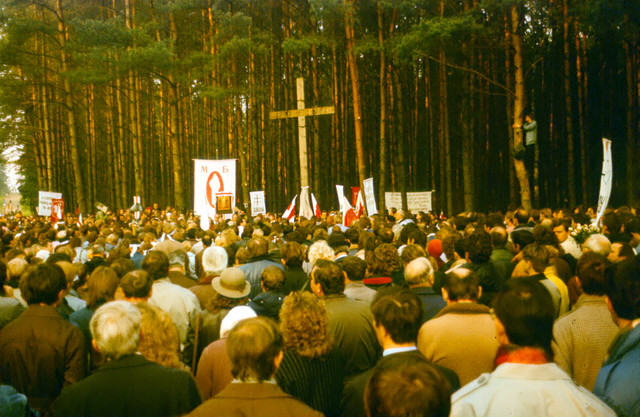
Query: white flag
[
  {"x": 606, "y": 180},
  {"x": 215, "y": 180}
]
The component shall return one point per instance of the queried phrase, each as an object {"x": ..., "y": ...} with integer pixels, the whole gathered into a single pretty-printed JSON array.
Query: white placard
[
  {"x": 370, "y": 197},
  {"x": 340, "y": 192},
  {"x": 393, "y": 200},
  {"x": 420, "y": 201},
  {"x": 213, "y": 178},
  {"x": 258, "y": 205},
  {"x": 44, "y": 202},
  {"x": 606, "y": 179}
]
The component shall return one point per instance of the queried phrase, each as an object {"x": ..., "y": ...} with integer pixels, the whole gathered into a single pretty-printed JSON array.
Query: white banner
[
  {"x": 420, "y": 201},
  {"x": 258, "y": 205},
  {"x": 370, "y": 197},
  {"x": 606, "y": 180},
  {"x": 44, "y": 202},
  {"x": 214, "y": 186},
  {"x": 393, "y": 200},
  {"x": 340, "y": 191}
]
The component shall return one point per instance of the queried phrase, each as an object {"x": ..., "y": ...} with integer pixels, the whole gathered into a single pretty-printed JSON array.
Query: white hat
[{"x": 235, "y": 315}]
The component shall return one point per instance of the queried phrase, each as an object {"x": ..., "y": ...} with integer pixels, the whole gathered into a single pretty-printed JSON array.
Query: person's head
[
  {"x": 232, "y": 284},
  {"x": 156, "y": 264},
  {"x": 115, "y": 329},
  {"x": 521, "y": 239},
  {"x": 136, "y": 284},
  {"x": 383, "y": 260},
  {"x": 461, "y": 284},
  {"x": 419, "y": 272},
  {"x": 293, "y": 253},
  {"x": 304, "y": 325},
  {"x": 561, "y": 230},
  {"x": 320, "y": 250},
  {"x": 160, "y": 342},
  {"x": 397, "y": 313},
  {"x": 448, "y": 245},
  {"x": 178, "y": 260},
  {"x": 214, "y": 260},
  {"x": 591, "y": 273},
  {"x": 16, "y": 267},
  {"x": 611, "y": 224},
  {"x": 479, "y": 246},
  {"x": 521, "y": 216},
  {"x": 101, "y": 286},
  {"x": 597, "y": 243},
  {"x": 411, "y": 252},
  {"x": 398, "y": 388},
  {"x": 537, "y": 256},
  {"x": 620, "y": 252},
  {"x": 254, "y": 347},
  {"x": 122, "y": 266},
  {"x": 524, "y": 315},
  {"x": 43, "y": 284},
  {"x": 327, "y": 278},
  {"x": 354, "y": 267},
  {"x": 272, "y": 278},
  {"x": 258, "y": 246},
  {"x": 623, "y": 290},
  {"x": 499, "y": 237}
]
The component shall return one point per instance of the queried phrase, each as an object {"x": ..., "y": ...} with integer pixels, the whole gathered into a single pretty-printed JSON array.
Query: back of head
[
  {"x": 354, "y": 267},
  {"x": 522, "y": 238},
  {"x": 526, "y": 311},
  {"x": 122, "y": 266},
  {"x": 136, "y": 284},
  {"x": 591, "y": 272},
  {"x": 258, "y": 246},
  {"x": 272, "y": 278},
  {"x": 42, "y": 284},
  {"x": 419, "y": 271},
  {"x": 178, "y": 258},
  {"x": 101, "y": 286},
  {"x": 293, "y": 253},
  {"x": 462, "y": 284},
  {"x": 328, "y": 275},
  {"x": 479, "y": 246},
  {"x": 521, "y": 215},
  {"x": 398, "y": 388},
  {"x": 599, "y": 244},
  {"x": 252, "y": 346},
  {"x": 304, "y": 325},
  {"x": 115, "y": 327},
  {"x": 214, "y": 260},
  {"x": 156, "y": 264},
  {"x": 411, "y": 252},
  {"x": 499, "y": 237},
  {"x": 612, "y": 222},
  {"x": 399, "y": 311},
  {"x": 383, "y": 260},
  {"x": 538, "y": 255},
  {"x": 543, "y": 235},
  {"x": 320, "y": 250},
  {"x": 624, "y": 289}
]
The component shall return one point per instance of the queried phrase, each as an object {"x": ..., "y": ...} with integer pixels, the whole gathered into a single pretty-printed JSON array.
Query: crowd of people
[{"x": 528, "y": 313}]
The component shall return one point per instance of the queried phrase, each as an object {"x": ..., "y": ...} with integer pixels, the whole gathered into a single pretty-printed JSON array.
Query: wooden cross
[{"x": 301, "y": 113}]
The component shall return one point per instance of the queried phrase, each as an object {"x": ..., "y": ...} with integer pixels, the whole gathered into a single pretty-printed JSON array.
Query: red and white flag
[
  {"x": 316, "y": 208},
  {"x": 290, "y": 212},
  {"x": 359, "y": 208},
  {"x": 349, "y": 214}
]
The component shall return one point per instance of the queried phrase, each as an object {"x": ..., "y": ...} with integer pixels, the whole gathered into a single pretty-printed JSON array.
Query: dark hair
[
  {"x": 479, "y": 246},
  {"x": 401, "y": 388},
  {"x": 462, "y": 286},
  {"x": 521, "y": 215},
  {"x": 101, "y": 286},
  {"x": 624, "y": 288},
  {"x": 544, "y": 235},
  {"x": 272, "y": 277},
  {"x": 122, "y": 266},
  {"x": 156, "y": 264},
  {"x": 406, "y": 232},
  {"x": 293, "y": 253},
  {"x": 383, "y": 260},
  {"x": 58, "y": 257},
  {"x": 538, "y": 255},
  {"x": 353, "y": 235},
  {"x": 612, "y": 222},
  {"x": 252, "y": 346},
  {"x": 3, "y": 276},
  {"x": 590, "y": 269},
  {"x": 526, "y": 311},
  {"x": 522, "y": 238},
  {"x": 42, "y": 284},
  {"x": 399, "y": 311},
  {"x": 136, "y": 284},
  {"x": 328, "y": 275},
  {"x": 354, "y": 267}
]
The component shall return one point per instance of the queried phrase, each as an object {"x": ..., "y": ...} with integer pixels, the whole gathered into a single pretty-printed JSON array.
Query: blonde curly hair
[{"x": 304, "y": 325}]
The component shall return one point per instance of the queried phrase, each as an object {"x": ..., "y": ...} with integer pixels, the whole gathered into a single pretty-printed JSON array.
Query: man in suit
[
  {"x": 397, "y": 317},
  {"x": 128, "y": 384},
  {"x": 254, "y": 347}
]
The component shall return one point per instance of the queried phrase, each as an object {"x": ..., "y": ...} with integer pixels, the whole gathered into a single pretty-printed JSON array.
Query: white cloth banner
[
  {"x": 393, "y": 200},
  {"x": 258, "y": 205},
  {"x": 420, "y": 201},
  {"x": 340, "y": 192},
  {"x": 215, "y": 180},
  {"x": 606, "y": 180},
  {"x": 370, "y": 197},
  {"x": 305, "y": 207},
  {"x": 44, "y": 202}
]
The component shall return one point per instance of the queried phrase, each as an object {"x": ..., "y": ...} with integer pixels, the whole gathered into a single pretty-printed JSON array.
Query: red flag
[
  {"x": 359, "y": 208},
  {"x": 290, "y": 212},
  {"x": 316, "y": 208}
]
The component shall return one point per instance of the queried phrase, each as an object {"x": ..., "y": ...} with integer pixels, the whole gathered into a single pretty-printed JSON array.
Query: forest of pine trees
[{"x": 114, "y": 98}]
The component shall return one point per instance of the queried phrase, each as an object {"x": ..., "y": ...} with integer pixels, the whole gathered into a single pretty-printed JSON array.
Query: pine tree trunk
[
  {"x": 632, "y": 152},
  {"x": 571, "y": 179},
  {"x": 582, "y": 97}
]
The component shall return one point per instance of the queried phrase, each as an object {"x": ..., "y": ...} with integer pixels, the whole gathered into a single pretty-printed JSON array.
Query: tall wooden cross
[{"x": 301, "y": 113}]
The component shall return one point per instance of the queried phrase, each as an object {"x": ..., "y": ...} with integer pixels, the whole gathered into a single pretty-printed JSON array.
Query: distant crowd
[{"x": 524, "y": 313}]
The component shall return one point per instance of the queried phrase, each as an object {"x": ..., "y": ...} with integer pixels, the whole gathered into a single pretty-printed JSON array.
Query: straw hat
[{"x": 231, "y": 283}]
